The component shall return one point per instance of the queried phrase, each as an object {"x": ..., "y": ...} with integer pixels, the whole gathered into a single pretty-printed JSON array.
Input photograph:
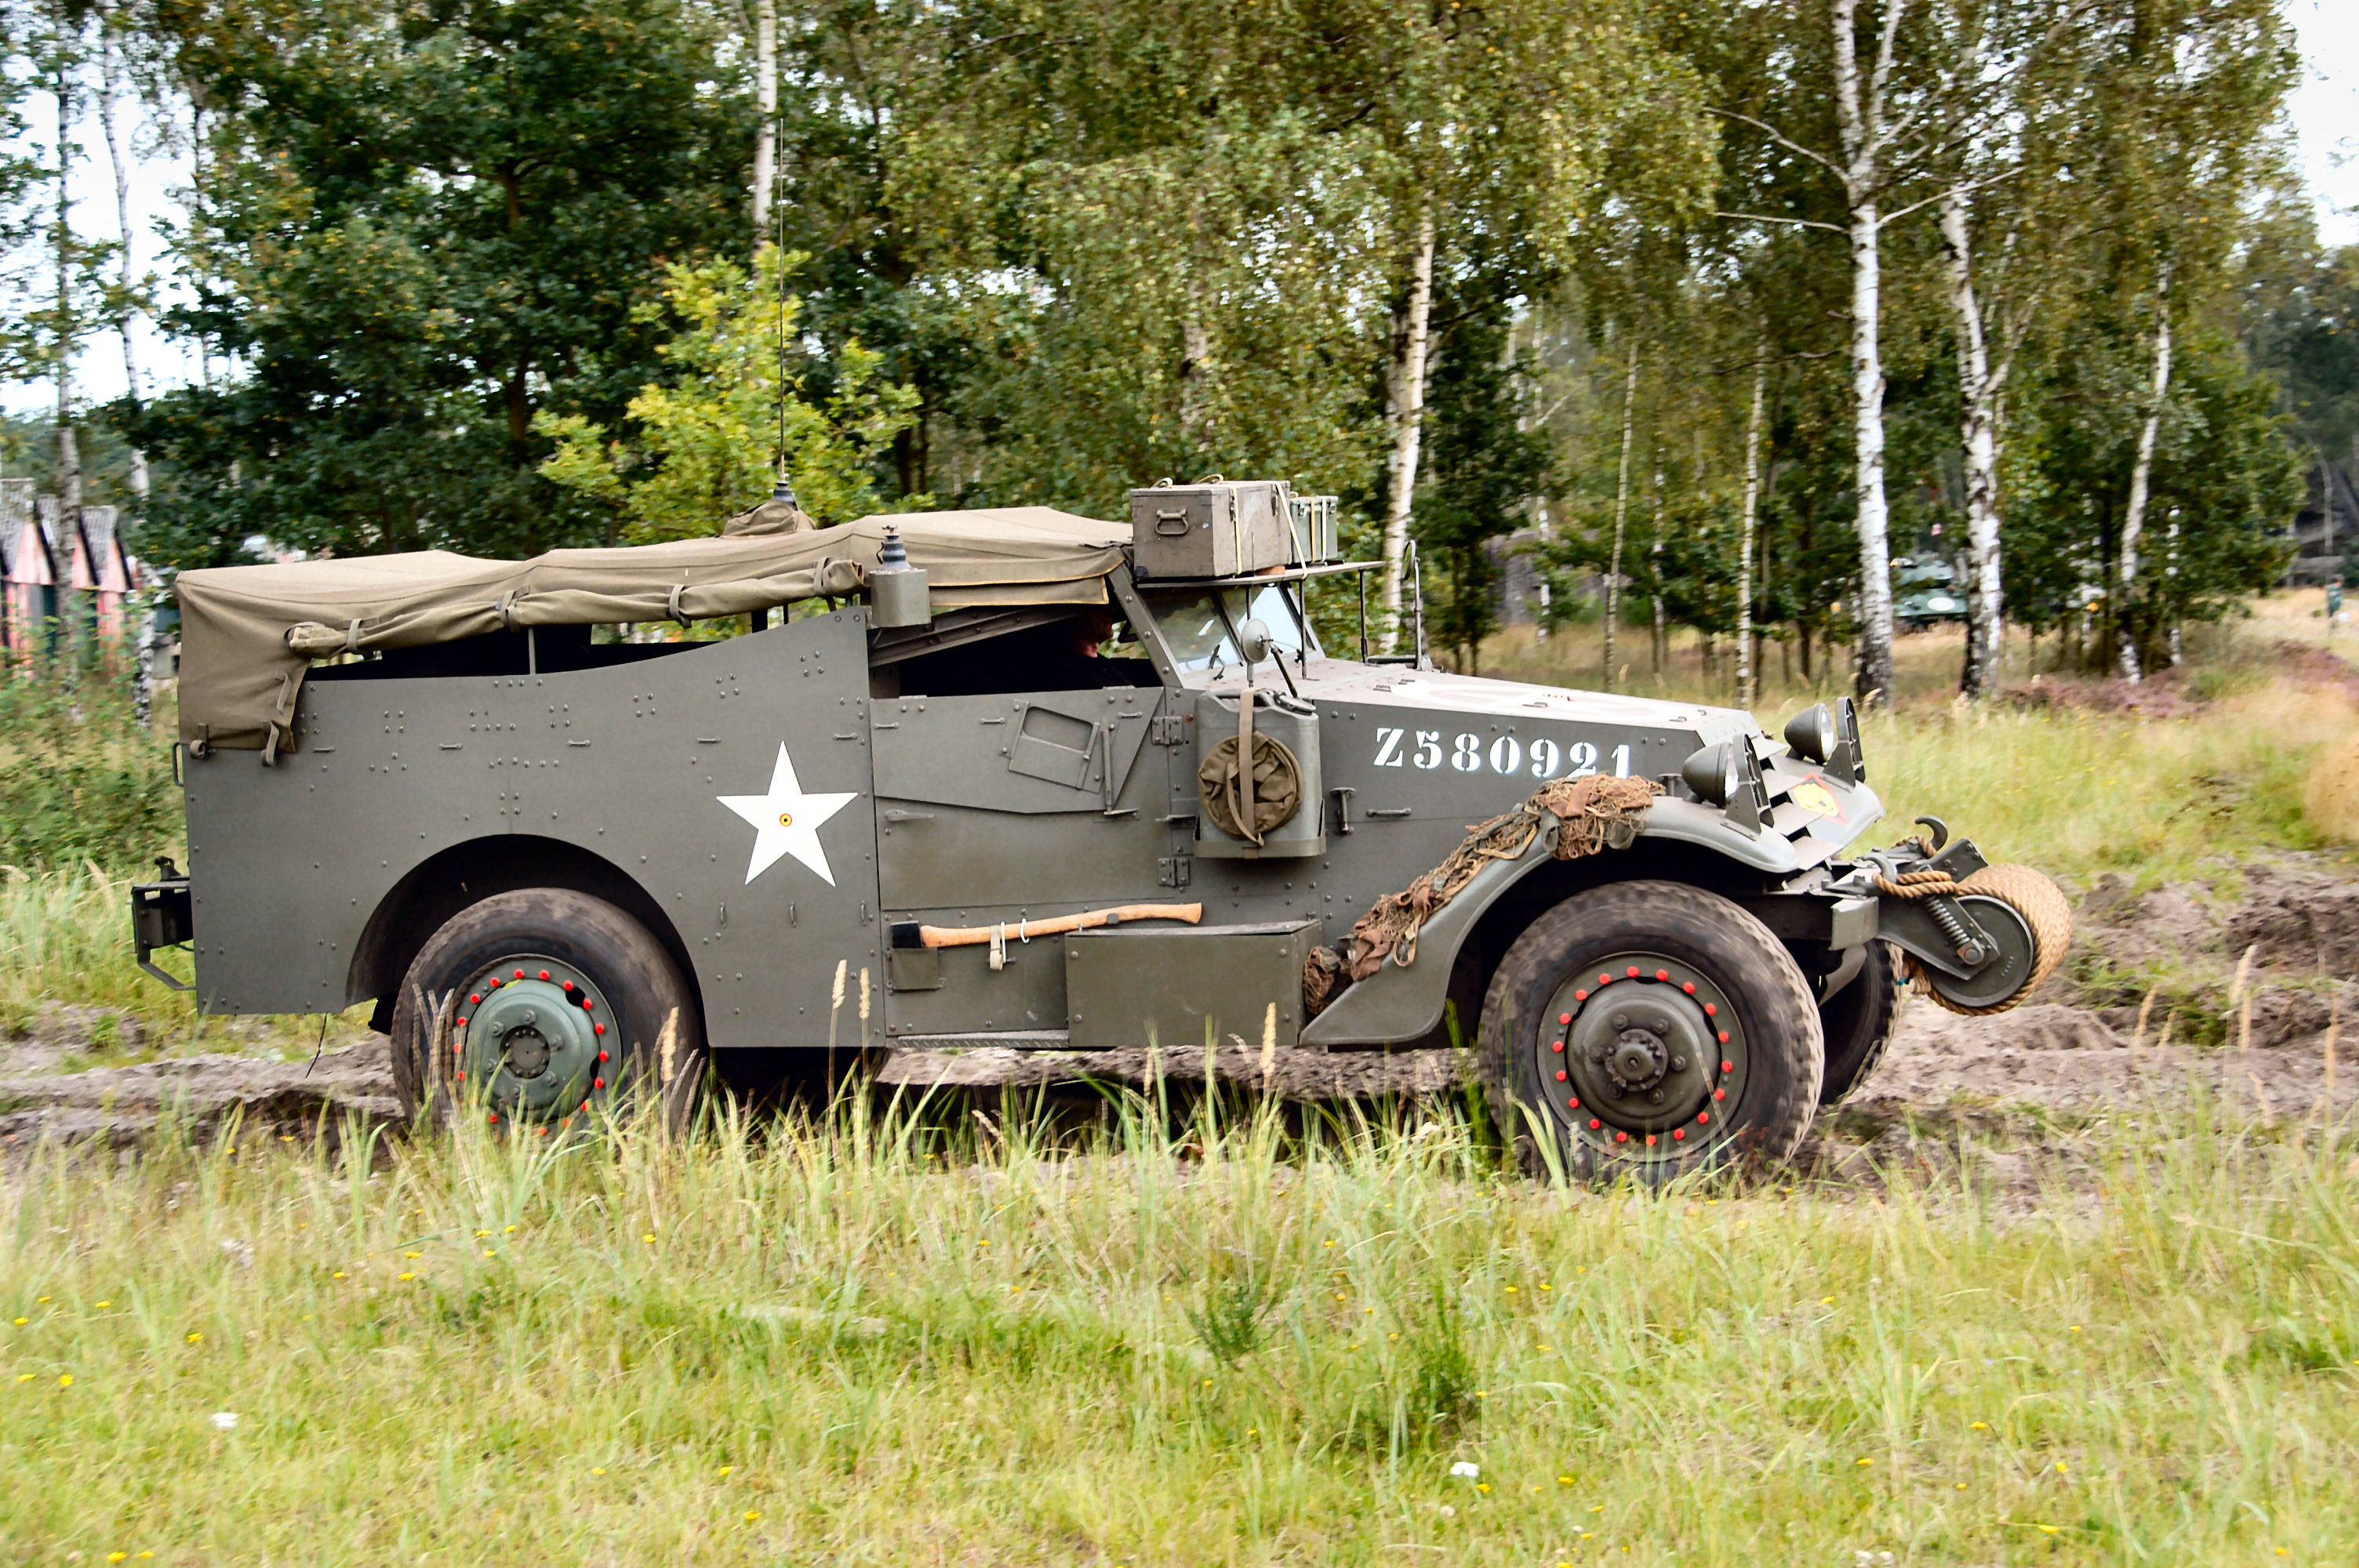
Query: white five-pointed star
[{"x": 787, "y": 821}]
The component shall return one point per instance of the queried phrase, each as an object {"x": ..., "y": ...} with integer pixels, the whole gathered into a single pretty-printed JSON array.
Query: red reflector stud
[
  {"x": 602, "y": 1056},
  {"x": 1703, "y": 1116},
  {"x": 1688, "y": 987},
  {"x": 476, "y": 999},
  {"x": 587, "y": 1004},
  {"x": 1606, "y": 979},
  {"x": 1594, "y": 1124},
  {"x": 1720, "y": 1094},
  {"x": 1676, "y": 1132},
  {"x": 568, "y": 985},
  {"x": 496, "y": 1116},
  {"x": 1558, "y": 1045},
  {"x": 597, "y": 1083},
  {"x": 1711, "y": 1010},
  {"x": 1650, "y": 1141},
  {"x": 1662, "y": 974},
  {"x": 1724, "y": 1037},
  {"x": 1560, "y": 1076},
  {"x": 463, "y": 1023},
  {"x": 1575, "y": 1104},
  {"x": 544, "y": 974},
  {"x": 1726, "y": 1067},
  {"x": 1620, "y": 1138},
  {"x": 1633, "y": 971},
  {"x": 1564, "y": 1018},
  {"x": 602, "y": 1029}
]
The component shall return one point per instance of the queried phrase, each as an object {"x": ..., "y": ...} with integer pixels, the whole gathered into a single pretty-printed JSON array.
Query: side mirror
[{"x": 1253, "y": 642}]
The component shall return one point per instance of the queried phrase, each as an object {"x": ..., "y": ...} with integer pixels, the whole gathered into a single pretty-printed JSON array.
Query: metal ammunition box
[
  {"x": 1133, "y": 985},
  {"x": 1220, "y": 529}
]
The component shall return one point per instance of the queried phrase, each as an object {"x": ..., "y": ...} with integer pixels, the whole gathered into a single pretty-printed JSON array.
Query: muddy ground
[{"x": 2234, "y": 988}]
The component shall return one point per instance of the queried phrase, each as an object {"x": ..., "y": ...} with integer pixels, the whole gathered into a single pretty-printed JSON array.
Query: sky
[{"x": 2325, "y": 113}]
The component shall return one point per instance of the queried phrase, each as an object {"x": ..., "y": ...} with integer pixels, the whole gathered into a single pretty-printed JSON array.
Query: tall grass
[
  {"x": 866, "y": 1344},
  {"x": 79, "y": 780},
  {"x": 2086, "y": 793}
]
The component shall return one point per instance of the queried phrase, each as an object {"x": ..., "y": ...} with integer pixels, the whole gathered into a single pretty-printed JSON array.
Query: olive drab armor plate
[
  {"x": 1004, "y": 809},
  {"x": 729, "y": 780}
]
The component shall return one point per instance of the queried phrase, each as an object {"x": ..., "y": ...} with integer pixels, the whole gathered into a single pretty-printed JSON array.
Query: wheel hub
[
  {"x": 530, "y": 1041},
  {"x": 1645, "y": 1056},
  {"x": 527, "y": 1051}
]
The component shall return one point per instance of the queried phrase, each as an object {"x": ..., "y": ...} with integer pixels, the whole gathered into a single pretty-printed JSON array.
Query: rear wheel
[
  {"x": 1647, "y": 1028},
  {"x": 1857, "y": 1023},
  {"x": 545, "y": 1007}
]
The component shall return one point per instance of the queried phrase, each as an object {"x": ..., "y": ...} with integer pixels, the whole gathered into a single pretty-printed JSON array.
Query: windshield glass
[{"x": 1199, "y": 637}]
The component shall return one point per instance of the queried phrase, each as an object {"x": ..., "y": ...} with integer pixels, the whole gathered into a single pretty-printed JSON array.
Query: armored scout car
[{"x": 987, "y": 775}]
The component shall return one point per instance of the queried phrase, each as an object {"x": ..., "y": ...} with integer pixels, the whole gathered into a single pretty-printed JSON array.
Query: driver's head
[{"x": 1091, "y": 630}]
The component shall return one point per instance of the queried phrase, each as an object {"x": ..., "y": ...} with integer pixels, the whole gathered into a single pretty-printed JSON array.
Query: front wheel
[
  {"x": 542, "y": 1008},
  {"x": 1857, "y": 1023},
  {"x": 1647, "y": 1028}
]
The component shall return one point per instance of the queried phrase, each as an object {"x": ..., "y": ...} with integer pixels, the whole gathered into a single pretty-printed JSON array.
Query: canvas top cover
[{"x": 247, "y": 633}]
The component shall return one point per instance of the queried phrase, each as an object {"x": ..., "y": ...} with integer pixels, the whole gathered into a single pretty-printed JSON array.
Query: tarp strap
[
  {"x": 507, "y": 610},
  {"x": 280, "y": 716},
  {"x": 672, "y": 604},
  {"x": 353, "y": 635}
]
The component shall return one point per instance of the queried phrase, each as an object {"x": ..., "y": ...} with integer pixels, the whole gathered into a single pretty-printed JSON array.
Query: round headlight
[
  {"x": 1812, "y": 733},
  {"x": 1714, "y": 772}
]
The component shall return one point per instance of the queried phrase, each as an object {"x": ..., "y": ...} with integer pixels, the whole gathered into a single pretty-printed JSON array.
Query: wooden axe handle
[{"x": 968, "y": 936}]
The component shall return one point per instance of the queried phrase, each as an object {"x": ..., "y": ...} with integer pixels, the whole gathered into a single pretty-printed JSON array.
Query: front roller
[
  {"x": 1646, "y": 1029},
  {"x": 1980, "y": 939}
]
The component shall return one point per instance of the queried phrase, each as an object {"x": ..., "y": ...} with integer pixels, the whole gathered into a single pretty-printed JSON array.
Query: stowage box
[
  {"x": 1126, "y": 984},
  {"x": 1221, "y": 528}
]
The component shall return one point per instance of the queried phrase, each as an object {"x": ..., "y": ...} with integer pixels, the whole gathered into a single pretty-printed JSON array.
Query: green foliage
[
  {"x": 700, "y": 443},
  {"x": 2225, "y": 482},
  {"x": 416, "y": 231},
  {"x": 1484, "y": 464},
  {"x": 82, "y": 781}
]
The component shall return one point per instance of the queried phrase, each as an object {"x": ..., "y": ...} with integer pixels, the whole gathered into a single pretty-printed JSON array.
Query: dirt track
[{"x": 2079, "y": 1053}]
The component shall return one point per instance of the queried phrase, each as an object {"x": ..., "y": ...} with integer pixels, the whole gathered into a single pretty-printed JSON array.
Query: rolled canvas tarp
[{"x": 247, "y": 633}]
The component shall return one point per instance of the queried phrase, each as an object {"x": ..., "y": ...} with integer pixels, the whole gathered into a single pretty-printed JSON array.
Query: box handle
[{"x": 1170, "y": 524}]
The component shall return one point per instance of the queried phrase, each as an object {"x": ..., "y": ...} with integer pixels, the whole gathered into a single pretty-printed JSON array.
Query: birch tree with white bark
[
  {"x": 1880, "y": 123},
  {"x": 2010, "y": 211}
]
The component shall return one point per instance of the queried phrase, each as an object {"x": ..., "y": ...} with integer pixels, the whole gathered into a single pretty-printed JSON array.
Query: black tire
[
  {"x": 587, "y": 1017},
  {"x": 1857, "y": 1023},
  {"x": 1711, "y": 977}
]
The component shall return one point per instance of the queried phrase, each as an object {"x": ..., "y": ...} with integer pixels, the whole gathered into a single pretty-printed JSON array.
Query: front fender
[{"x": 1397, "y": 1004}]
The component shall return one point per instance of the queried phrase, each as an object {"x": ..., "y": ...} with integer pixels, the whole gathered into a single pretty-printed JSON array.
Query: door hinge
[
  {"x": 1169, "y": 729},
  {"x": 1172, "y": 871}
]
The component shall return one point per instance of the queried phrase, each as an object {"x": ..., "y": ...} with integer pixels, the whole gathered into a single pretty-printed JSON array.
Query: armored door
[{"x": 1008, "y": 810}]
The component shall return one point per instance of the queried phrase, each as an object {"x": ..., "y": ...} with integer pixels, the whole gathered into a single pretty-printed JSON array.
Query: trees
[
  {"x": 2189, "y": 90},
  {"x": 426, "y": 228},
  {"x": 701, "y": 445},
  {"x": 476, "y": 275}
]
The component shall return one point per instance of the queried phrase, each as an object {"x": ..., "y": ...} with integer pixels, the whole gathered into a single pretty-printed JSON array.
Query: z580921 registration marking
[{"x": 1505, "y": 756}]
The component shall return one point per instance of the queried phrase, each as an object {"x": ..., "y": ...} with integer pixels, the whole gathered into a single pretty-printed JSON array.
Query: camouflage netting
[{"x": 1593, "y": 812}]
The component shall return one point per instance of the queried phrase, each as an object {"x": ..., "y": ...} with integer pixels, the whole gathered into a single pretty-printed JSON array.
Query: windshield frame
[{"x": 1222, "y": 655}]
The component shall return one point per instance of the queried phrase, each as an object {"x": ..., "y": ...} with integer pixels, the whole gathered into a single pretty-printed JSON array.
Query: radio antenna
[{"x": 785, "y": 491}]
